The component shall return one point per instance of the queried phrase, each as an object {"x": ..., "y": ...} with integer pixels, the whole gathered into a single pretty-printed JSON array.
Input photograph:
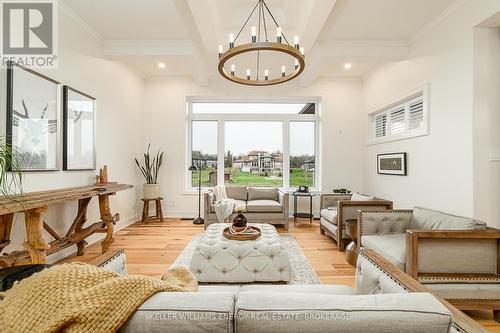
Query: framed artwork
[
  {"x": 32, "y": 118},
  {"x": 392, "y": 164},
  {"x": 78, "y": 130}
]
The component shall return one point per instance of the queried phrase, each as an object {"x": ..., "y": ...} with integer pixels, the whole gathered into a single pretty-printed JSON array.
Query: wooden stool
[{"x": 145, "y": 210}]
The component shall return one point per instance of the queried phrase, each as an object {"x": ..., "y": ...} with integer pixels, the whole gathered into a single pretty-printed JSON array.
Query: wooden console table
[{"x": 34, "y": 204}]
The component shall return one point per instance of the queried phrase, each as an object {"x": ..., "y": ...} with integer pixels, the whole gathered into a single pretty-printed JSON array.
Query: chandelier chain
[
  {"x": 275, "y": 22},
  {"x": 258, "y": 38},
  {"x": 248, "y": 18}
]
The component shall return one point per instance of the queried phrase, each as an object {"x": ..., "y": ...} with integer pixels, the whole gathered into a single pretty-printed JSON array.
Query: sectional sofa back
[{"x": 252, "y": 193}]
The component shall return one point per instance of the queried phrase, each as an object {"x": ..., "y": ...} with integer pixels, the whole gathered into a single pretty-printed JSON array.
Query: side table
[
  {"x": 145, "y": 211},
  {"x": 296, "y": 214},
  {"x": 351, "y": 250}
]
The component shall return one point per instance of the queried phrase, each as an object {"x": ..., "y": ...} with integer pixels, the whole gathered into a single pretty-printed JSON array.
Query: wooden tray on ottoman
[{"x": 243, "y": 237}]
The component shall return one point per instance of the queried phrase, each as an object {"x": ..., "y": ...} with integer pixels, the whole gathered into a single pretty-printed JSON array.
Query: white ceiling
[{"x": 184, "y": 34}]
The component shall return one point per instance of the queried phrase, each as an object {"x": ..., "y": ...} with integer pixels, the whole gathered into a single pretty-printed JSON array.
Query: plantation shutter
[
  {"x": 416, "y": 114},
  {"x": 397, "y": 124},
  {"x": 380, "y": 125}
]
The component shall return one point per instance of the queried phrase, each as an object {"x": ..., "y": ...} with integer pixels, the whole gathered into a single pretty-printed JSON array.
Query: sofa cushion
[
  {"x": 428, "y": 219},
  {"x": 391, "y": 247},
  {"x": 237, "y": 192},
  {"x": 183, "y": 312},
  {"x": 332, "y": 228},
  {"x": 273, "y": 312},
  {"x": 263, "y": 193},
  {"x": 329, "y": 215},
  {"x": 323, "y": 289},
  {"x": 263, "y": 206},
  {"x": 466, "y": 290},
  {"x": 361, "y": 197}
]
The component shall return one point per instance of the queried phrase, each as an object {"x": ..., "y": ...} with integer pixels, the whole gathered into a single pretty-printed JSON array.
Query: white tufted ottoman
[{"x": 217, "y": 259}]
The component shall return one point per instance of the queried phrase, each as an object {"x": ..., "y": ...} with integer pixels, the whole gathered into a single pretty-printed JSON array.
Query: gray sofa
[
  {"x": 335, "y": 209},
  {"x": 263, "y": 204},
  {"x": 456, "y": 257},
  {"x": 378, "y": 303}
]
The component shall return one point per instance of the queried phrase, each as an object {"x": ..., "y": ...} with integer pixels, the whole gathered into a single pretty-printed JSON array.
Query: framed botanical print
[
  {"x": 32, "y": 118},
  {"x": 392, "y": 164},
  {"x": 78, "y": 130}
]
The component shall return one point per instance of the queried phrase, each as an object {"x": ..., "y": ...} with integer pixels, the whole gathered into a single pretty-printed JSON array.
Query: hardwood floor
[{"x": 152, "y": 248}]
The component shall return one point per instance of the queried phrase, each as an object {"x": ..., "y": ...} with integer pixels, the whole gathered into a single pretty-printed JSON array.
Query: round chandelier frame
[{"x": 256, "y": 45}]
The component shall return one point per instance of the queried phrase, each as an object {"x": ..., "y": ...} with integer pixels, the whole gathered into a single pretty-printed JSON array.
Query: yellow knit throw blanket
[{"x": 82, "y": 298}]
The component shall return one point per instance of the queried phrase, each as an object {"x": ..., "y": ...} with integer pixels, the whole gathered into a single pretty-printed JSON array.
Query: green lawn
[{"x": 297, "y": 177}]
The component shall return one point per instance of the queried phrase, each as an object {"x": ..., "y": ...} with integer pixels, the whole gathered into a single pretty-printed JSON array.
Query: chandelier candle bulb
[
  {"x": 302, "y": 51},
  {"x": 248, "y": 74},
  {"x": 283, "y": 71},
  {"x": 254, "y": 34},
  {"x": 233, "y": 69},
  {"x": 231, "y": 40},
  {"x": 220, "y": 51},
  {"x": 266, "y": 74},
  {"x": 296, "y": 63},
  {"x": 296, "y": 40},
  {"x": 278, "y": 34}
]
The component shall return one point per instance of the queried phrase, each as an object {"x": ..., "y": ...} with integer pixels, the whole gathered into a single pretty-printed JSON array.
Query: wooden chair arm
[{"x": 460, "y": 319}]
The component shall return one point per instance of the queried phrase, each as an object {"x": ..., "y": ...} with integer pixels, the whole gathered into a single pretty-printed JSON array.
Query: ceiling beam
[
  {"x": 206, "y": 22},
  {"x": 312, "y": 23},
  {"x": 199, "y": 66},
  {"x": 147, "y": 48}
]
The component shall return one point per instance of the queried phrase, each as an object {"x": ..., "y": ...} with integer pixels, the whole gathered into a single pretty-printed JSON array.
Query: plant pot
[{"x": 151, "y": 191}]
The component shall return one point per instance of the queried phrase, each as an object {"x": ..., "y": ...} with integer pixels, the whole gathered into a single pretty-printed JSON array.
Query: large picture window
[{"x": 253, "y": 143}]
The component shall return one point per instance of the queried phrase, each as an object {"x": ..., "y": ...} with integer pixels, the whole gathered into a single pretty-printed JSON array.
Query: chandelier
[{"x": 260, "y": 42}]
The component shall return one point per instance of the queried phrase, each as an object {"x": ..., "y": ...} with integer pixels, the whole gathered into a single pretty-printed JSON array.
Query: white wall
[
  {"x": 487, "y": 124},
  {"x": 440, "y": 164},
  {"x": 342, "y": 143},
  {"x": 119, "y": 94}
]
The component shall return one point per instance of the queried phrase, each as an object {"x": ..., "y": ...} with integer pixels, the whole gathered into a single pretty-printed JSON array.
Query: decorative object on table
[
  {"x": 9, "y": 275},
  {"x": 34, "y": 205},
  {"x": 10, "y": 164},
  {"x": 260, "y": 42},
  {"x": 150, "y": 170},
  {"x": 351, "y": 250},
  {"x": 303, "y": 189},
  {"x": 102, "y": 178},
  {"x": 296, "y": 214},
  {"x": 145, "y": 211},
  {"x": 392, "y": 164},
  {"x": 240, "y": 222},
  {"x": 78, "y": 130},
  {"x": 341, "y": 191},
  {"x": 32, "y": 118},
  {"x": 199, "y": 219},
  {"x": 249, "y": 233}
]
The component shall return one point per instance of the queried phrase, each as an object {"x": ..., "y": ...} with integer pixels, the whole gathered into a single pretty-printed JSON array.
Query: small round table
[{"x": 351, "y": 250}]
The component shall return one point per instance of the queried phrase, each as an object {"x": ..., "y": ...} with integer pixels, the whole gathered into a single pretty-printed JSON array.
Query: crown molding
[
  {"x": 436, "y": 20},
  {"x": 71, "y": 13}
]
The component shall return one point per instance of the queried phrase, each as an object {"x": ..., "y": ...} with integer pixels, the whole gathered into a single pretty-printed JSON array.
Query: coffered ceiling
[{"x": 184, "y": 34}]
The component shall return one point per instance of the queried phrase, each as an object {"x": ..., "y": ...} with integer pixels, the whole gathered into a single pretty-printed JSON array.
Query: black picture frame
[
  {"x": 13, "y": 117},
  {"x": 67, "y": 164},
  {"x": 394, "y": 164}
]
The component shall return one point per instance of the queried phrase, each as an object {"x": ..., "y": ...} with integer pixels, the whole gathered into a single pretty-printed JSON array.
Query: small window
[{"x": 401, "y": 120}]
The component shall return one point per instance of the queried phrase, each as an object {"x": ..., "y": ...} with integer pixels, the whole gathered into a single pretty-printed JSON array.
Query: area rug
[{"x": 301, "y": 269}]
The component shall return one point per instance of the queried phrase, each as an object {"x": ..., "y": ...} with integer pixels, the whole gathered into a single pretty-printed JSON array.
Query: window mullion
[
  {"x": 286, "y": 153},
  {"x": 220, "y": 151}
]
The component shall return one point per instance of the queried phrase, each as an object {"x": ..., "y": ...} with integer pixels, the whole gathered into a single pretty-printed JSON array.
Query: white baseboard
[{"x": 95, "y": 238}]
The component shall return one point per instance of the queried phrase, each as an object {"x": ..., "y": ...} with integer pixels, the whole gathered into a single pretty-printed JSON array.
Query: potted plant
[
  {"x": 10, "y": 170},
  {"x": 150, "y": 169}
]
